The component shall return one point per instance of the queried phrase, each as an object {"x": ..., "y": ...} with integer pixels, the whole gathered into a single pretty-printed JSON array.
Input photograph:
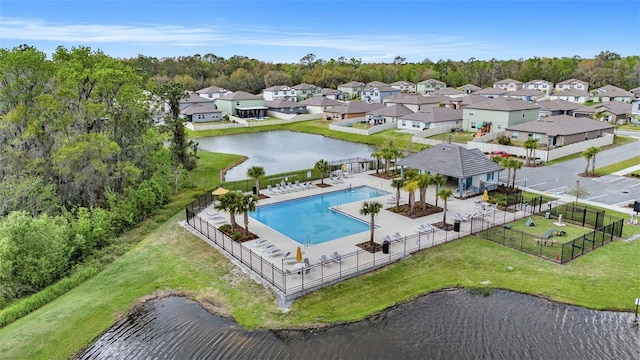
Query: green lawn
[
  {"x": 617, "y": 141},
  {"x": 609, "y": 169},
  {"x": 459, "y": 138}
]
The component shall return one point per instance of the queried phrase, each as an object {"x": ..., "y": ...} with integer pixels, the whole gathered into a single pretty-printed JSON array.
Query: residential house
[
  {"x": 334, "y": 94},
  {"x": 493, "y": 115},
  {"x": 405, "y": 86},
  {"x": 197, "y": 113},
  {"x": 508, "y": 85},
  {"x": 491, "y": 92},
  {"x": 387, "y": 114},
  {"x": 428, "y": 86},
  {"x": 352, "y": 88},
  {"x": 350, "y": 110},
  {"x": 557, "y": 107},
  {"x": 376, "y": 84},
  {"x": 540, "y": 85},
  {"x": 572, "y": 84},
  {"x": 635, "y": 111},
  {"x": 377, "y": 94},
  {"x": 319, "y": 104},
  {"x": 450, "y": 92},
  {"x": 473, "y": 170},
  {"x": 612, "y": 93},
  {"x": 416, "y": 102},
  {"x": 635, "y": 92},
  {"x": 616, "y": 112},
  {"x": 526, "y": 94},
  {"x": 559, "y": 130},
  {"x": 242, "y": 104},
  {"x": 279, "y": 92},
  {"x": 469, "y": 88},
  {"x": 576, "y": 96},
  {"x": 430, "y": 119},
  {"x": 305, "y": 91},
  {"x": 285, "y": 106},
  {"x": 463, "y": 102},
  {"x": 191, "y": 99},
  {"x": 213, "y": 92}
]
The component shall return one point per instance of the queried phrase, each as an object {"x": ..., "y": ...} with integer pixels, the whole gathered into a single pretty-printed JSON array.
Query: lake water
[
  {"x": 282, "y": 151},
  {"x": 452, "y": 324}
]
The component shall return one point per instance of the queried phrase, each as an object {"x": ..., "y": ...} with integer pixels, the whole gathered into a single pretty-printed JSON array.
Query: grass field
[{"x": 609, "y": 169}]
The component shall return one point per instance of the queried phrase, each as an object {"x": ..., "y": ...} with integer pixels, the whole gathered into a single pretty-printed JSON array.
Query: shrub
[{"x": 503, "y": 140}]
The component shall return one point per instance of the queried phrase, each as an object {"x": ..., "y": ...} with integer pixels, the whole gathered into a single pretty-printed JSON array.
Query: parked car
[{"x": 501, "y": 153}]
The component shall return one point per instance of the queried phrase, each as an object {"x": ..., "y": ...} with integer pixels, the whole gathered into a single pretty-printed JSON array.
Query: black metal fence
[{"x": 549, "y": 249}]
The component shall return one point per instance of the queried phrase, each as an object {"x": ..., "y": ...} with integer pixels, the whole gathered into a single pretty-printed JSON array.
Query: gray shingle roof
[
  {"x": 572, "y": 92},
  {"x": 561, "y": 125},
  {"x": 434, "y": 81},
  {"x": 490, "y": 91},
  {"x": 507, "y": 81},
  {"x": 281, "y": 103},
  {"x": 614, "y": 107},
  {"x": 525, "y": 92},
  {"x": 558, "y": 105},
  {"x": 451, "y": 160},
  {"x": 377, "y": 84},
  {"x": 393, "y": 110},
  {"x": 448, "y": 91},
  {"x": 320, "y": 101},
  {"x": 277, "y": 88},
  {"x": 211, "y": 90},
  {"x": 570, "y": 81},
  {"x": 241, "y": 95},
  {"x": 194, "y": 98},
  {"x": 355, "y": 107},
  {"x": 198, "y": 109},
  {"x": 470, "y": 87},
  {"x": 538, "y": 81},
  {"x": 304, "y": 86},
  {"x": 503, "y": 104},
  {"x": 434, "y": 115},
  {"x": 352, "y": 84},
  {"x": 416, "y": 99}
]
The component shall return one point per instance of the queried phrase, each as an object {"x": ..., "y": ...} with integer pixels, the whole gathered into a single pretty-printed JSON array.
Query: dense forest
[
  {"x": 251, "y": 75},
  {"x": 81, "y": 161}
]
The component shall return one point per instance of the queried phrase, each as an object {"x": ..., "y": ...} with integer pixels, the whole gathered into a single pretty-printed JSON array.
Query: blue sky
[{"x": 285, "y": 31}]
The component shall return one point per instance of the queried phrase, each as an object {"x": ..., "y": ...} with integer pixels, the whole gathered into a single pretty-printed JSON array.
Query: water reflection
[
  {"x": 451, "y": 324},
  {"x": 282, "y": 151}
]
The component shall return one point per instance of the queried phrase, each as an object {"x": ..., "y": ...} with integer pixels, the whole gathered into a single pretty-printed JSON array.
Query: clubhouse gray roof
[
  {"x": 503, "y": 104},
  {"x": 561, "y": 125},
  {"x": 451, "y": 160},
  {"x": 434, "y": 115}
]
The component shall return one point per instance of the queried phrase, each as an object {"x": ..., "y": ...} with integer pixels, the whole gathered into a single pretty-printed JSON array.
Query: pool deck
[{"x": 387, "y": 222}]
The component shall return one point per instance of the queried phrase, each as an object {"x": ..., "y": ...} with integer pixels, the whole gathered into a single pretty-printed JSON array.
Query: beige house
[
  {"x": 572, "y": 84},
  {"x": 612, "y": 93},
  {"x": 352, "y": 88},
  {"x": 615, "y": 112},
  {"x": 416, "y": 102},
  {"x": 428, "y": 86},
  {"x": 576, "y": 96},
  {"x": 404, "y": 86},
  {"x": 559, "y": 130},
  {"x": 350, "y": 110},
  {"x": 540, "y": 85},
  {"x": 213, "y": 92},
  {"x": 319, "y": 104},
  {"x": 305, "y": 91},
  {"x": 508, "y": 85},
  {"x": 526, "y": 94}
]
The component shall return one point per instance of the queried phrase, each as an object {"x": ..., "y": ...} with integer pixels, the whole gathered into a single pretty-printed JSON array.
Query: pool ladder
[{"x": 307, "y": 241}]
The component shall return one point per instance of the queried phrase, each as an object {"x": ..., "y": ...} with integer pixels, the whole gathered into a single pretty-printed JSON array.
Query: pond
[
  {"x": 454, "y": 324},
  {"x": 282, "y": 151}
]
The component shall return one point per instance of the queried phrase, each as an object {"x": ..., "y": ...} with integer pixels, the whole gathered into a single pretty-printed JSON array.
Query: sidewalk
[{"x": 627, "y": 170}]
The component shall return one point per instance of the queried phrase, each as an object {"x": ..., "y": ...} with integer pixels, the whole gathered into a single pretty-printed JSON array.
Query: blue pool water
[{"x": 312, "y": 218}]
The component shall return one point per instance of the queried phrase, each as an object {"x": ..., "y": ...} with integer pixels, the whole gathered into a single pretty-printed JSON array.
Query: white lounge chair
[
  {"x": 272, "y": 190},
  {"x": 280, "y": 188},
  {"x": 396, "y": 237},
  {"x": 273, "y": 251},
  {"x": 324, "y": 260},
  {"x": 336, "y": 257}
]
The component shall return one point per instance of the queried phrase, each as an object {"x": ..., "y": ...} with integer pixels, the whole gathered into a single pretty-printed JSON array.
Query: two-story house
[
  {"x": 416, "y": 102},
  {"x": 213, "y": 92},
  {"x": 497, "y": 114},
  {"x": 305, "y": 91},
  {"x": 541, "y": 85},
  {"x": 279, "y": 92},
  {"x": 242, "y": 104},
  {"x": 572, "y": 84},
  {"x": 376, "y": 94},
  {"x": 350, "y": 110},
  {"x": 428, "y": 86},
  {"x": 573, "y": 95},
  {"x": 508, "y": 85},
  {"x": 469, "y": 88},
  {"x": 404, "y": 86},
  {"x": 612, "y": 93},
  {"x": 352, "y": 88}
]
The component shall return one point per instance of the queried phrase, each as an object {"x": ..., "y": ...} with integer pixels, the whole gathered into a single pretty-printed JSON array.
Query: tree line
[
  {"x": 80, "y": 160},
  {"x": 242, "y": 73}
]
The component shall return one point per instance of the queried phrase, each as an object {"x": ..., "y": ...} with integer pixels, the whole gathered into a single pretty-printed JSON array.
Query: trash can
[
  {"x": 547, "y": 215},
  {"x": 456, "y": 226},
  {"x": 255, "y": 190},
  {"x": 385, "y": 246}
]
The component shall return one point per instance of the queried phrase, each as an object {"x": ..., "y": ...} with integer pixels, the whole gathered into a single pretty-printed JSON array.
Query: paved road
[{"x": 609, "y": 189}]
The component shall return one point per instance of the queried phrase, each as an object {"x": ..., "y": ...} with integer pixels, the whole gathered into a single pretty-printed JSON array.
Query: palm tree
[
  {"x": 588, "y": 154},
  {"x": 594, "y": 151},
  {"x": 387, "y": 155},
  {"x": 377, "y": 155},
  {"x": 398, "y": 184},
  {"x": 323, "y": 167},
  {"x": 411, "y": 187},
  {"x": 229, "y": 202},
  {"x": 444, "y": 194},
  {"x": 438, "y": 180},
  {"x": 246, "y": 204},
  {"x": 531, "y": 145},
  {"x": 256, "y": 172},
  {"x": 424, "y": 180},
  {"x": 371, "y": 208},
  {"x": 515, "y": 165},
  {"x": 506, "y": 163}
]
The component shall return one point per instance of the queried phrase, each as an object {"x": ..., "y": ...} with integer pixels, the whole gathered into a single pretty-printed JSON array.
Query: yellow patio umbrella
[
  {"x": 219, "y": 191},
  {"x": 485, "y": 196},
  {"x": 298, "y": 254}
]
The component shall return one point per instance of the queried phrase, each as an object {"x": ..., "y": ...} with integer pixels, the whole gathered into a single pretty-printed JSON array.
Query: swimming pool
[{"x": 310, "y": 220}]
